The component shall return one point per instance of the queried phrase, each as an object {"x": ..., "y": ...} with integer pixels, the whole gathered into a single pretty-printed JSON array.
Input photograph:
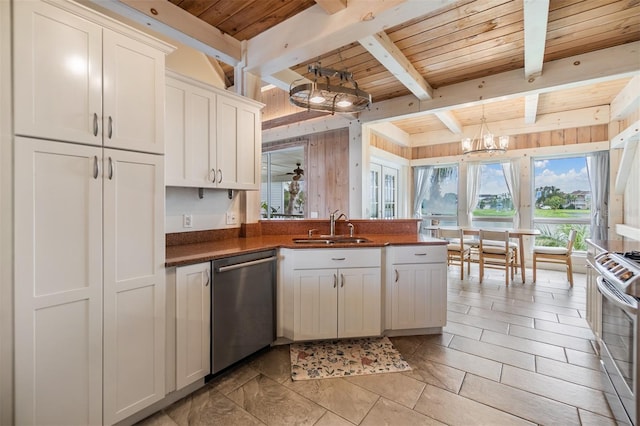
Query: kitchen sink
[{"x": 337, "y": 239}]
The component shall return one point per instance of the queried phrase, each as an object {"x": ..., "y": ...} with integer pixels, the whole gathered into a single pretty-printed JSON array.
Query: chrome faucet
[{"x": 333, "y": 219}]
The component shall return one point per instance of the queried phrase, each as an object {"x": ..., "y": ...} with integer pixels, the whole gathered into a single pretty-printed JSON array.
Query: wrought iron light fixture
[
  {"x": 484, "y": 142},
  {"x": 324, "y": 96}
]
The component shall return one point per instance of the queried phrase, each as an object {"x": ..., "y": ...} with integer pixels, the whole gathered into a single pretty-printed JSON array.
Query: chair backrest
[
  {"x": 496, "y": 236},
  {"x": 451, "y": 234},
  {"x": 572, "y": 239}
]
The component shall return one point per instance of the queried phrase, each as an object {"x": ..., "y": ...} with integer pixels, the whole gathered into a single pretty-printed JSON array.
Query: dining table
[{"x": 518, "y": 233}]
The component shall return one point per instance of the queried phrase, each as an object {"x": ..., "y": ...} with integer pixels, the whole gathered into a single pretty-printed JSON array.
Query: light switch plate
[
  {"x": 187, "y": 221},
  {"x": 231, "y": 218}
]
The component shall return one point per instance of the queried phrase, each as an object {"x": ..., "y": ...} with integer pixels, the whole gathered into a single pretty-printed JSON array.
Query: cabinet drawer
[
  {"x": 417, "y": 254},
  {"x": 337, "y": 258}
]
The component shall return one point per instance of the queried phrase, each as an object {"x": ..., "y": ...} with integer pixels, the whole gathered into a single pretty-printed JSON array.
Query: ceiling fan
[{"x": 297, "y": 173}]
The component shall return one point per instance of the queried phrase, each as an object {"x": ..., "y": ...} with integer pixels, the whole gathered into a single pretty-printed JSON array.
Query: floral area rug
[{"x": 350, "y": 357}]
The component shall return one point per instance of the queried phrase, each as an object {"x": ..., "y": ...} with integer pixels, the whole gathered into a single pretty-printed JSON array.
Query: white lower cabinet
[
  {"x": 89, "y": 273},
  {"x": 193, "y": 323},
  {"x": 416, "y": 291},
  {"x": 336, "y": 293}
]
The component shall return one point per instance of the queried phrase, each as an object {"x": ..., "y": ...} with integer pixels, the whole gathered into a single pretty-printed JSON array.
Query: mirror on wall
[{"x": 283, "y": 191}]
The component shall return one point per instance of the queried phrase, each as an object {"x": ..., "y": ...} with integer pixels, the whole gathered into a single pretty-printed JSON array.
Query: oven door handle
[{"x": 613, "y": 298}]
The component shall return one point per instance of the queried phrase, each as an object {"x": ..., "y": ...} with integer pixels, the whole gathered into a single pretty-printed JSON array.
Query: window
[
  {"x": 437, "y": 194},
  {"x": 494, "y": 207},
  {"x": 561, "y": 200}
]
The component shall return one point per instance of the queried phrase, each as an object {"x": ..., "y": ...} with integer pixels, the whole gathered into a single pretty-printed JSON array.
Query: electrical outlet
[
  {"x": 231, "y": 218},
  {"x": 187, "y": 221}
]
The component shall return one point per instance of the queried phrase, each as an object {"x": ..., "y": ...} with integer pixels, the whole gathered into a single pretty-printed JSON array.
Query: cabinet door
[
  {"x": 249, "y": 146},
  {"x": 58, "y": 276},
  {"x": 419, "y": 296},
  {"x": 190, "y": 135},
  {"x": 58, "y": 74},
  {"x": 238, "y": 143},
  {"x": 134, "y": 283},
  {"x": 227, "y": 153},
  {"x": 359, "y": 302},
  {"x": 133, "y": 117},
  {"x": 315, "y": 304},
  {"x": 193, "y": 319}
]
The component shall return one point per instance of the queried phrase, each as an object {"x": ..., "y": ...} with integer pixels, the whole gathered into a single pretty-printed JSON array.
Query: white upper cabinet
[
  {"x": 213, "y": 137},
  {"x": 190, "y": 135},
  {"x": 239, "y": 143},
  {"x": 77, "y": 81},
  {"x": 133, "y": 87}
]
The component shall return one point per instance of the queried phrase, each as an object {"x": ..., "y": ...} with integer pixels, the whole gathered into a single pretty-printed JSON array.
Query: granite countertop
[{"x": 184, "y": 254}]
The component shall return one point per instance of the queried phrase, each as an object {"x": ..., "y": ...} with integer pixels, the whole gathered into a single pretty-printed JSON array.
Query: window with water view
[
  {"x": 562, "y": 200},
  {"x": 494, "y": 208}
]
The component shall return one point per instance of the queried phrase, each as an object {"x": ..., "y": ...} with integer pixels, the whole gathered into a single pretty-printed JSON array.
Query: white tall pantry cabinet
[{"x": 89, "y": 208}]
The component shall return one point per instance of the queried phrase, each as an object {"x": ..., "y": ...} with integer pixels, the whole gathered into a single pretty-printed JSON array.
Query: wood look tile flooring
[{"x": 508, "y": 356}]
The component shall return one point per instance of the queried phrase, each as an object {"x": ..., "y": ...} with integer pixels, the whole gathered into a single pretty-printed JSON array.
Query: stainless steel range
[{"x": 619, "y": 285}]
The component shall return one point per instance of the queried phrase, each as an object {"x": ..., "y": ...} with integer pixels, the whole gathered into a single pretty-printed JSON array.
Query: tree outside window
[{"x": 562, "y": 200}]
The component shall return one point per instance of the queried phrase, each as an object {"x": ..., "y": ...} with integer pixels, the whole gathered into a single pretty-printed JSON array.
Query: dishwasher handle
[{"x": 244, "y": 264}]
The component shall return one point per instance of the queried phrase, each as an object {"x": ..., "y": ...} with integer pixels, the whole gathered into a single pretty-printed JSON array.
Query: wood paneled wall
[
  {"x": 326, "y": 172},
  {"x": 387, "y": 145},
  {"x": 588, "y": 134}
]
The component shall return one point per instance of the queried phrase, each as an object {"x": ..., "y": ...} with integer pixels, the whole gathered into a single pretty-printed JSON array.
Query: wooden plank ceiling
[{"x": 462, "y": 41}]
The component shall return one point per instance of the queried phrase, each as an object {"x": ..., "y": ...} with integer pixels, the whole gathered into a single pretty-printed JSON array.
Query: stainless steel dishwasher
[{"x": 243, "y": 307}]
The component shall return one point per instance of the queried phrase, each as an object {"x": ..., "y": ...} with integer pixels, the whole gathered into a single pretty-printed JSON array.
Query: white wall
[
  {"x": 208, "y": 213},
  {"x": 632, "y": 195},
  {"x": 192, "y": 63}
]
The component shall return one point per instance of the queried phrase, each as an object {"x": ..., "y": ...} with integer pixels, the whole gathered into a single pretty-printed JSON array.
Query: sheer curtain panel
[
  {"x": 511, "y": 171},
  {"x": 598, "y": 170}
]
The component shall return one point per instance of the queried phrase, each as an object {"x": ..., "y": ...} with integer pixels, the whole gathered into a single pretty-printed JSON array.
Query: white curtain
[
  {"x": 473, "y": 189},
  {"x": 512, "y": 177},
  {"x": 598, "y": 171},
  {"x": 421, "y": 179}
]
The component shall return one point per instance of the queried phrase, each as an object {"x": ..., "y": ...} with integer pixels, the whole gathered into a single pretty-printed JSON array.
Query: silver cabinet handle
[
  {"x": 95, "y": 124},
  {"x": 419, "y": 254},
  {"x": 341, "y": 280},
  {"x": 214, "y": 175},
  {"x": 335, "y": 280},
  {"x": 206, "y": 284},
  {"x": 96, "y": 167},
  {"x": 397, "y": 275},
  {"x": 110, "y": 132},
  {"x": 112, "y": 168},
  {"x": 220, "y": 180},
  {"x": 338, "y": 258}
]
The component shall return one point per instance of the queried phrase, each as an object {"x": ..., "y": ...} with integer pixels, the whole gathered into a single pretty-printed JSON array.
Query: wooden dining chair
[
  {"x": 496, "y": 252},
  {"x": 556, "y": 255},
  {"x": 457, "y": 250}
]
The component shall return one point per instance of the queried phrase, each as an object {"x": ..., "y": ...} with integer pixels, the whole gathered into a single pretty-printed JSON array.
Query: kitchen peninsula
[{"x": 394, "y": 283}]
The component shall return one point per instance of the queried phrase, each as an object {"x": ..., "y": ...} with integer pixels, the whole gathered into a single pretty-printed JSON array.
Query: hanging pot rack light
[{"x": 324, "y": 96}]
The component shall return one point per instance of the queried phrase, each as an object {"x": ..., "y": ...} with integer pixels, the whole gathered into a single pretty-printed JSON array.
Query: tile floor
[{"x": 517, "y": 355}]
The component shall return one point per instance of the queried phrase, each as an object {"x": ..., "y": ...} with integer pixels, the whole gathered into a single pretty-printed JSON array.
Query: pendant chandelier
[
  {"x": 342, "y": 96},
  {"x": 484, "y": 142}
]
